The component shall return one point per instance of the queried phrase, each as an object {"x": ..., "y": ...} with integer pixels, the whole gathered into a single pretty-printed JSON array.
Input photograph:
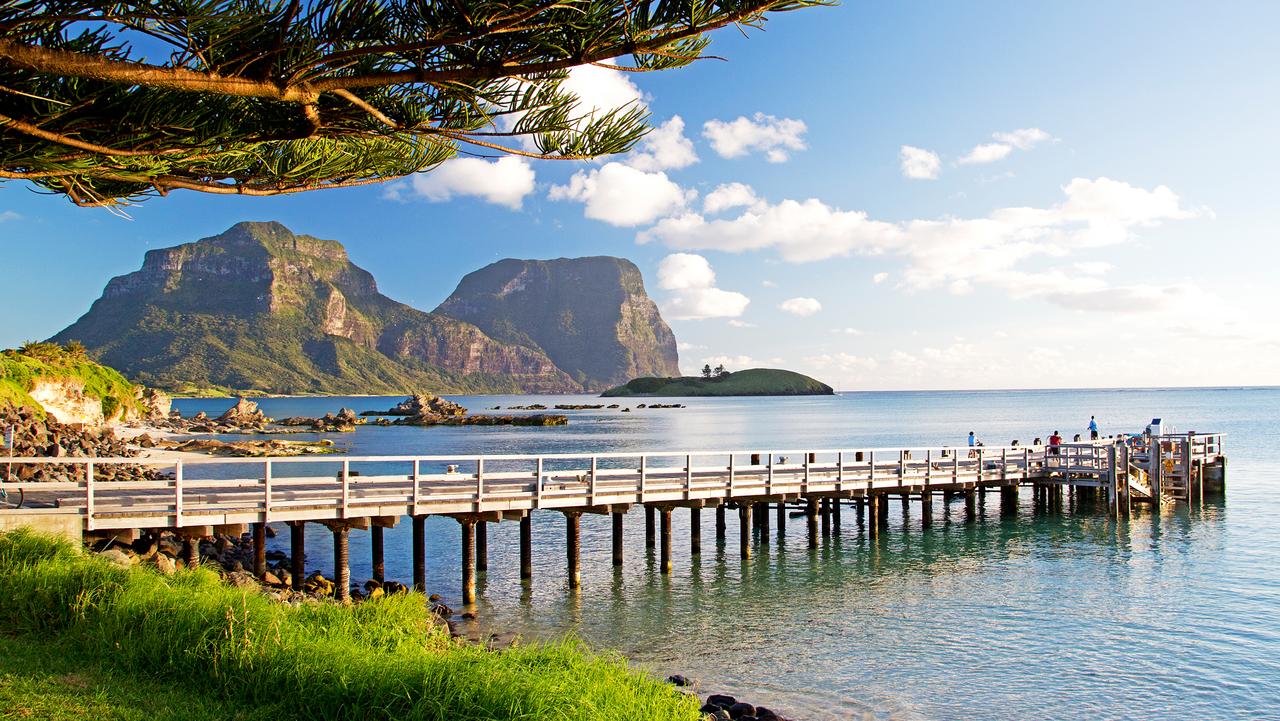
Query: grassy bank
[
  {"x": 381, "y": 659},
  {"x": 22, "y": 368}
]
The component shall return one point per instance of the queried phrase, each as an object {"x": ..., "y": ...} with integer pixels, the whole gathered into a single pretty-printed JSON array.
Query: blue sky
[{"x": 1119, "y": 232}]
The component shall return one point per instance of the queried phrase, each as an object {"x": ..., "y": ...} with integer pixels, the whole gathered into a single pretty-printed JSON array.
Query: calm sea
[{"x": 1073, "y": 616}]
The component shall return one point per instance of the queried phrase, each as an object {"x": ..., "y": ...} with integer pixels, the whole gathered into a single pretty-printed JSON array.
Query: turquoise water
[{"x": 1174, "y": 615}]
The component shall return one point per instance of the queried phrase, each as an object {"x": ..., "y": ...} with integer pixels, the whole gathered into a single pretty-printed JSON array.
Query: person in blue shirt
[
  {"x": 972, "y": 442},
  {"x": 1093, "y": 428}
]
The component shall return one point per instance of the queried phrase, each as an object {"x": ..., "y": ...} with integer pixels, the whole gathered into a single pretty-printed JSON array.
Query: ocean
[{"x": 1171, "y": 615}]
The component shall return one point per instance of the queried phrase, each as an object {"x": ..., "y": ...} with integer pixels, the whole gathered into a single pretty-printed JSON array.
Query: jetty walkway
[{"x": 199, "y": 498}]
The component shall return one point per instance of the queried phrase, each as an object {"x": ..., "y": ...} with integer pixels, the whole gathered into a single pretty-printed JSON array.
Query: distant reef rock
[
  {"x": 753, "y": 382},
  {"x": 259, "y": 309},
  {"x": 590, "y": 316}
]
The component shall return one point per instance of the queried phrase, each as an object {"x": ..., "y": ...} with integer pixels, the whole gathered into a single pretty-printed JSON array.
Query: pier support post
[
  {"x": 873, "y": 516},
  {"x": 970, "y": 504},
  {"x": 482, "y": 546},
  {"x": 259, "y": 549},
  {"x": 882, "y": 519},
  {"x": 826, "y": 517},
  {"x": 744, "y": 530},
  {"x": 762, "y": 516},
  {"x": 1008, "y": 500},
  {"x": 664, "y": 553},
  {"x": 649, "y": 531},
  {"x": 526, "y": 546},
  {"x": 811, "y": 520},
  {"x": 191, "y": 551},
  {"x": 720, "y": 524},
  {"x": 835, "y": 513},
  {"x": 695, "y": 531},
  {"x": 858, "y": 506},
  {"x": 376, "y": 553},
  {"x": 926, "y": 509},
  {"x": 420, "y": 554},
  {"x": 906, "y": 504},
  {"x": 573, "y": 537},
  {"x": 468, "y": 561},
  {"x": 782, "y": 517},
  {"x": 617, "y": 539},
  {"x": 341, "y": 565},
  {"x": 297, "y": 555}
]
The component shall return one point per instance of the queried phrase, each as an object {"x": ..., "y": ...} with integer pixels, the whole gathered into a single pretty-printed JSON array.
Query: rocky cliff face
[
  {"x": 261, "y": 308},
  {"x": 590, "y": 316}
]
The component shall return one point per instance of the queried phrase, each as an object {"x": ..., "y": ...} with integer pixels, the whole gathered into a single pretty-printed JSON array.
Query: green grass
[
  {"x": 20, "y": 369},
  {"x": 753, "y": 382},
  {"x": 383, "y": 659}
]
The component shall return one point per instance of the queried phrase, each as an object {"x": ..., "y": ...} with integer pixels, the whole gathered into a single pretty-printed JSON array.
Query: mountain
[
  {"x": 753, "y": 382},
  {"x": 260, "y": 308},
  {"x": 591, "y": 316}
]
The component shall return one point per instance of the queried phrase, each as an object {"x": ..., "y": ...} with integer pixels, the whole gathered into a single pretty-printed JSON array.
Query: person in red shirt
[{"x": 1055, "y": 440}]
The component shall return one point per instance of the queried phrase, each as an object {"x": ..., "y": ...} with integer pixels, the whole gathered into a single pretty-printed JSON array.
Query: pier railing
[{"x": 218, "y": 491}]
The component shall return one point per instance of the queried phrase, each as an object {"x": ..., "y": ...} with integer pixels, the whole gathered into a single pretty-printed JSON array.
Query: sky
[{"x": 881, "y": 195}]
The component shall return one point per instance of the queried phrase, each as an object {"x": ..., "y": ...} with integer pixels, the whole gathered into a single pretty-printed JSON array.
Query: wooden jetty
[{"x": 373, "y": 493}]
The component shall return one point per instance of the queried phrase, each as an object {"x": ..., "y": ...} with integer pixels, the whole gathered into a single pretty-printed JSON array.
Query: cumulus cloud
[
  {"x": 505, "y": 181},
  {"x": 956, "y": 254},
  {"x": 919, "y": 163},
  {"x": 728, "y": 195},
  {"x": 761, "y": 133},
  {"x": 664, "y": 148},
  {"x": 879, "y": 278},
  {"x": 693, "y": 292},
  {"x": 801, "y": 306},
  {"x": 741, "y": 324},
  {"x": 8, "y": 215},
  {"x": 623, "y": 196},
  {"x": 1006, "y": 143}
]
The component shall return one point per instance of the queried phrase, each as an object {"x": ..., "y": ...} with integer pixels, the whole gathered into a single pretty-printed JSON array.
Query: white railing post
[
  {"x": 266, "y": 492},
  {"x": 871, "y": 469},
  {"x": 928, "y": 467},
  {"x": 177, "y": 495},
  {"x": 1004, "y": 464},
  {"x": 840, "y": 471},
  {"x": 417, "y": 486},
  {"x": 592, "y": 485},
  {"x": 979, "y": 466},
  {"x": 902, "y": 468},
  {"x": 688, "y": 476},
  {"x": 1026, "y": 463},
  {"x": 537, "y": 488},
  {"x": 731, "y": 474},
  {"x": 346, "y": 486},
  {"x": 479, "y": 483},
  {"x": 644, "y": 475},
  {"x": 88, "y": 495},
  {"x": 769, "y": 478},
  {"x": 955, "y": 466}
]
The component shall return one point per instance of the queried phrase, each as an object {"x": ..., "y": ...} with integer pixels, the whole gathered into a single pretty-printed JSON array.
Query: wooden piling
[
  {"x": 649, "y": 531},
  {"x": 573, "y": 538},
  {"x": 858, "y": 506},
  {"x": 376, "y": 553},
  {"x": 420, "y": 554},
  {"x": 297, "y": 555},
  {"x": 617, "y": 538},
  {"x": 825, "y": 506},
  {"x": 482, "y": 546},
  {"x": 341, "y": 565},
  {"x": 695, "y": 530},
  {"x": 526, "y": 547},
  {"x": 926, "y": 509},
  {"x": 664, "y": 553},
  {"x": 720, "y": 524},
  {"x": 191, "y": 551},
  {"x": 811, "y": 520},
  {"x": 468, "y": 561},
  {"x": 762, "y": 514},
  {"x": 259, "y": 549},
  {"x": 835, "y": 513},
  {"x": 970, "y": 504},
  {"x": 782, "y": 517},
  {"x": 882, "y": 500},
  {"x": 873, "y": 516},
  {"x": 744, "y": 530}
]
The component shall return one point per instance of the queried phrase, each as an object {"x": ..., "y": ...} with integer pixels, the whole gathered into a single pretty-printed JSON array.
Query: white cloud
[
  {"x": 847, "y": 331},
  {"x": 623, "y": 196},
  {"x": 958, "y": 254},
  {"x": 1020, "y": 139},
  {"x": 986, "y": 153},
  {"x": 919, "y": 163},
  {"x": 693, "y": 292},
  {"x": 1023, "y": 138},
  {"x": 764, "y": 133},
  {"x": 731, "y": 362},
  {"x": 729, "y": 195},
  {"x": 664, "y": 148},
  {"x": 504, "y": 181},
  {"x": 879, "y": 278},
  {"x": 689, "y": 346},
  {"x": 801, "y": 306},
  {"x": 741, "y": 324},
  {"x": 599, "y": 91},
  {"x": 768, "y": 284},
  {"x": 9, "y": 215}
]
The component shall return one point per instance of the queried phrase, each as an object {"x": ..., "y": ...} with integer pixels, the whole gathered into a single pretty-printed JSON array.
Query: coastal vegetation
[
  {"x": 752, "y": 382},
  {"x": 73, "y": 620},
  {"x": 23, "y": 369},
  {"x": 263, "y": 98}
]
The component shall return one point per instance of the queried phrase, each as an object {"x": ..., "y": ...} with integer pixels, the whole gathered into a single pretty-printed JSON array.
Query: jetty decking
[{"x": 230, "y": 494}]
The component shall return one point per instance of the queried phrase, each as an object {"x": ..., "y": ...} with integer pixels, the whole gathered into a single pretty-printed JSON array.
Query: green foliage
[
  {"x": 754, "y": 382},
  {"x": 383, "y": 659},
  {"x": 21, "y": 369},
  {"x": 261, "y": 97}
]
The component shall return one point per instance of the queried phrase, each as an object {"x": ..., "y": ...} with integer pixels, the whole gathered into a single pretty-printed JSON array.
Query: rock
[
  {"x": 678, "y": 680},
  {"x": 375, "y": 592},
  {"x": 244, "y": 413},
  {"x": 242, "y": 579},
  {"x": 721, "y": 700},
  {"x": 442, "y": 610},
  {"x": 715, "y": 712},
  {"x": 117, "y": 556},
  {"x": 740, "y": 709},
  {"x": 390, "y": 587},
  {"x": 271, "y": 579},
  {"x": 164, "y": 564},
  {"x": 468, "y": 616},
  {"x": 764, "y": 714}
]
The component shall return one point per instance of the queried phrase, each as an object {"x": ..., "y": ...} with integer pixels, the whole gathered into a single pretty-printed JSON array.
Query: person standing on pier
[
  {"x": 1093, "y": 428},
  {"x": 1055, "y": 440},
  {"x": 973, "y": 442}
]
